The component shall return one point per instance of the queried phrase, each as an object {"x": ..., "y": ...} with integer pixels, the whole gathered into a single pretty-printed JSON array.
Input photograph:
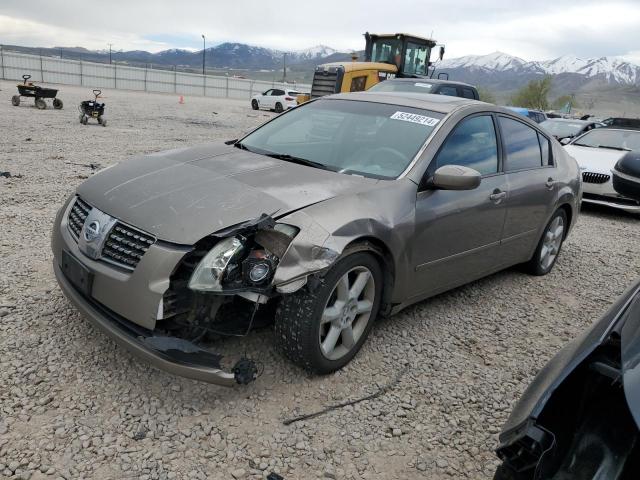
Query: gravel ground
[{"x": 73, "y": 405}]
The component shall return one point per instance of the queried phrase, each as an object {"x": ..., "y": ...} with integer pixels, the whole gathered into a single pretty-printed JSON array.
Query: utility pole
[
  {"x": 110, "y": 44},
  {"x": 204, "y": 49},
  {"x": 284, "y": 67}
]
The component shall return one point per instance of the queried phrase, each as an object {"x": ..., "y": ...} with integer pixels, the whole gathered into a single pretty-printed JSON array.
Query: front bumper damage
[
  {"x": 171, "y": 354},
  {"x": 132, "y": 307}
]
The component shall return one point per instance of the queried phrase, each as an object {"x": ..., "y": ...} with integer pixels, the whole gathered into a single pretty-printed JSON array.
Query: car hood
[
  {"x": 183, "y": 195},
  {"x": 597, "y": 160}
]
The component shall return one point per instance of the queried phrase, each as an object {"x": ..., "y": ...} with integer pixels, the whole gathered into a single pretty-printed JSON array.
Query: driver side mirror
[
  {"x": 455, "y": 177},
  {"x": 565, "y": 140}
]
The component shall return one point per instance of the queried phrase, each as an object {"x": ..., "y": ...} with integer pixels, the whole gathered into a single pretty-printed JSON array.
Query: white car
[
  {"x": 597, "y": 153},
  {"x": 275, "y": 99}
]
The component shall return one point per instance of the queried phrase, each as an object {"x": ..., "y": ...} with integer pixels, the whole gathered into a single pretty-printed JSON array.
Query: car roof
[
  {"x": 434, "y": 102},
  {"x": 569, "y": 120},
  {"x": 435, "y": 81}
]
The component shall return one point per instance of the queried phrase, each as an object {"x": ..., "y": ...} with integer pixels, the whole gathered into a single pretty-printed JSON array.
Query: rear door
[
  {"x": 531, "y": 178},
  {"x": 458, "y": 233}
]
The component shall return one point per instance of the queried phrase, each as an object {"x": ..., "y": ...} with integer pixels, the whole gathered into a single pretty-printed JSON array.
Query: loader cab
[{"x": 411, "y": 55}]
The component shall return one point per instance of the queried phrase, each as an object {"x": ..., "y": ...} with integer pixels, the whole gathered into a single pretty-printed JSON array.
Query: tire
[
  {"x": 81, "y": 117},
  {"x": 85, "y": 119},
  {"x": 552, "y": 238},
  {"x": 103, "y": 121},
  {"x": 57, "y": 104},
  {"x": 279, "y": 108},
  {"x": 254, "y": 104},
  {"x": 40, "y": 104},
  {"x": 302, "y": 335},
  {"x": 15, "y": 100}
]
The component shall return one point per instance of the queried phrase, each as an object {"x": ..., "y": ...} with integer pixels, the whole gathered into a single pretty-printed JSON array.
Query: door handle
[
  {"x": 549, "y": 183},
  {"x": 497, "y": 196}
]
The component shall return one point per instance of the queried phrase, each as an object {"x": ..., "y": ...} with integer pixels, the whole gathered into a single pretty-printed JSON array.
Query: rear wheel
[
  {"x": 322, "y": 329},
  {"x": 57, "y": 103},
  {"x": 40, "y": 104},
  {"x": 254, "y": 104},
  {"x": 279, "y": 108},
  {"x": 102, "y": 121},
  {"x": 549, "y": 245},
  {"x": 85, "y": 119},
  {"x": 15, "y": 100}
]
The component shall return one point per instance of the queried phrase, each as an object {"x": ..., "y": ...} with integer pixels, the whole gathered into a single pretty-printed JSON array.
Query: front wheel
[
  {"x": 279, "y": 108},
  {"x": 15, "y": 100},
  {"x": 254, "y": 104},
  {"x": 322, "y": 329},
  {"x": 57, "y": 103},
  {"x": 102, "y": 121},
  {"x": 40, "y": 104},
  {"x": 549, "y": 245}
]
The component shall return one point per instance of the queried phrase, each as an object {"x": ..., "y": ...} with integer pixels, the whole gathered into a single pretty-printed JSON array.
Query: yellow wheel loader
[{"x": 386, "y": 56}]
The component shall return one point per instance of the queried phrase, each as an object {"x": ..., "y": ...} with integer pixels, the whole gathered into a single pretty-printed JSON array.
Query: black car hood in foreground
[
  {"x": 623, "y": 317},
  {"x": 183, "y": 195}
]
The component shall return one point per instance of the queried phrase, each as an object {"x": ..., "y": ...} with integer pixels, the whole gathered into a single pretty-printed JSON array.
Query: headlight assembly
[{"x": 207, "y": 277}]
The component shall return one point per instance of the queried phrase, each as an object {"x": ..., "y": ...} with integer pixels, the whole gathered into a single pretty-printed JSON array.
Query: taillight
[{"x": 289, "y": 99}]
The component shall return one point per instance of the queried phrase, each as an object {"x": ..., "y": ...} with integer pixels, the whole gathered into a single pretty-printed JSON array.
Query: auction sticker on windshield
[{"x": 414, "y": 118}]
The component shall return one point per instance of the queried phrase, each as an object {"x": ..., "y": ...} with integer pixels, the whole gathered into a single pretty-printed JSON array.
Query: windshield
[
  {"x": 562, "y": 129},
  {"x": 371, "y": 139},
  {"x": 387, "y": 50},
  {"x": 605, "y": 138},
  {"x": 391, "y": 86}
]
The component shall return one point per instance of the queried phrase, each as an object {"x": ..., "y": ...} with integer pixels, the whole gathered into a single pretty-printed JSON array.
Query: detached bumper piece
[
  {"x": 525, "y": 448},
  {"x": 171, "y": 354}
]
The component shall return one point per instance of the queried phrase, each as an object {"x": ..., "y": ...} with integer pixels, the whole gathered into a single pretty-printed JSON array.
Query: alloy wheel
[
  {"x": 552, "y": 242},
  {"x": 347, "y": 313}
]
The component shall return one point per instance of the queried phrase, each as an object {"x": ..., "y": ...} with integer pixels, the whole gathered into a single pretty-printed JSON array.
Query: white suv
[{"x": 275, "y": 99}]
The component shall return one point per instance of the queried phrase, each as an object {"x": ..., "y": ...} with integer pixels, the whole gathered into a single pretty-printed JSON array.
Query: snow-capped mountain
[
  {"x": 612, "y": 70},
  {"x": 319, "y": 51}
]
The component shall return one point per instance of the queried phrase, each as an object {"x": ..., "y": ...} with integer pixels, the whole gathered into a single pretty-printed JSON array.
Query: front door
[{"x": 458, "y": 233}]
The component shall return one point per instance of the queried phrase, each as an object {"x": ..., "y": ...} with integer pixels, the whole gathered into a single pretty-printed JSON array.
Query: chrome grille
[
  {"x": 77, "y": 216},
  {"x": 591, "y": 177},
  {"x": 126, "y": 245}
]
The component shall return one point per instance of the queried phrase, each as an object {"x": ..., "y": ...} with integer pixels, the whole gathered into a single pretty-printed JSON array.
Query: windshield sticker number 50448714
[{"x": 415, "y": 118}]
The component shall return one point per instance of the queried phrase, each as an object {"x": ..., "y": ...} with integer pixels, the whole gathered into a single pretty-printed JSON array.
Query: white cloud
[{"x": 532, "y": 30}]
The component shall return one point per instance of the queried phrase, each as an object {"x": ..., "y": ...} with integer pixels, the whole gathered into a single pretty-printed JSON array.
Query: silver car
[{"x": 347, "y": 208}]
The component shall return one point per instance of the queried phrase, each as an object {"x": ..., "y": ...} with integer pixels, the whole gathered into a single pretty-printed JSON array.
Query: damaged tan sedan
[{"x": 338, "y": 211}]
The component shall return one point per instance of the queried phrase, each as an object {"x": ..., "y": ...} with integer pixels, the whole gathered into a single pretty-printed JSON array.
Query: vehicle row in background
[
  {"x": 28, "y": 89},
  {"x": 598, "y": 153},
  {"x": 275, "y": 99},
  {"x": 566, "y": 129},
  {"x": 537, "y": 116}
]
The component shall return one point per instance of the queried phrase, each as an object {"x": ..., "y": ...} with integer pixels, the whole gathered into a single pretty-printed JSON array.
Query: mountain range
[{"x": 497, "y": 71}]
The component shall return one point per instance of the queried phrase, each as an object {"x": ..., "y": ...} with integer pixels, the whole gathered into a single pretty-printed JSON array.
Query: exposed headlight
[{"x": 207, "y": 276}]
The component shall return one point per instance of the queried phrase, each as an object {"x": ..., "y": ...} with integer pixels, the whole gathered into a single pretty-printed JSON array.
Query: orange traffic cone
[{"x": 181, "y": 101}]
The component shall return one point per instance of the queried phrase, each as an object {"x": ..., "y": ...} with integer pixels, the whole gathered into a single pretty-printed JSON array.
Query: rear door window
[
  {"x": 522, "y": 147},
  {"x": 467, "y": 93},
  {"x": 277, "y": 93},
  {"x": 448, "y": 90},
  {"x": 472, "y": 144}
]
